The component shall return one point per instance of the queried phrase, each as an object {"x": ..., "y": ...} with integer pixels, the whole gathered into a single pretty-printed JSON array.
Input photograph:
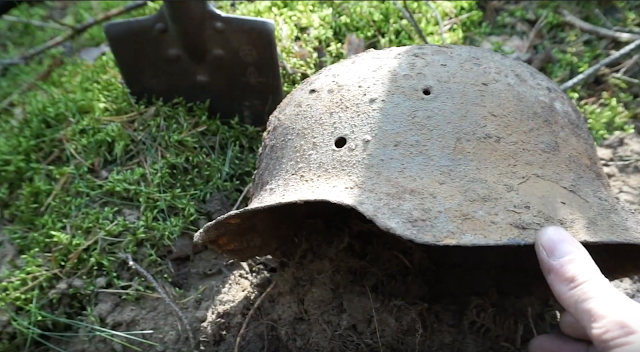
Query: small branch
[
  {"x": 32, "y": 22},
  {"x": 409, "y": 17},
  {"x": 603, "y": 32},
  {"x": 435, "y": 11},
  {"x": 77, "y": 30},
  {"x": 253, "y": 310},
  {"x": 595, "y": 68},
  {"x": 163, "y": 294},
  {"x": 534, "y": 31}
]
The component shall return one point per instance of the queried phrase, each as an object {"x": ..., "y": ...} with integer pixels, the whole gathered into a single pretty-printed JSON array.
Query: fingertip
[
  {"x": 555, "y": 243},
  {"x": 578, "y": 284},
  {"x": 556, "y": 343}
]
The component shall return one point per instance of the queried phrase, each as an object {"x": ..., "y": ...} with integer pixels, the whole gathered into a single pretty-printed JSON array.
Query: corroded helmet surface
[{"x": 441, "y": 145}]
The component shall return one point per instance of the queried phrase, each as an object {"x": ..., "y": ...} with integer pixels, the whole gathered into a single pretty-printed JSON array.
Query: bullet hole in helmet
[
  {"x": 426, "y": 91},
  {"x": 340, "y": 142},
  {"x": 312, "y": 91}
]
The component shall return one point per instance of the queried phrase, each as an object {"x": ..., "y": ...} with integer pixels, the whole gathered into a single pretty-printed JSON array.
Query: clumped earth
[{"x": 341, "y": 285}]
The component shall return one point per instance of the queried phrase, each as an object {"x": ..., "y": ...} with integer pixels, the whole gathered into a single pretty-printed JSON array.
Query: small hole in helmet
[
  {"x": 312, "y": 91},
  {"x": 340, "y": 142},
  {"x": 426, "y": 91}
]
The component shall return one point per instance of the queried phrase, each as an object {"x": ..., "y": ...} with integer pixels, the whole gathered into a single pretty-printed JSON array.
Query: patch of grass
[
  {"x": 86, "y": 174},
  {"x": 33, "y": 333},
  {"x": 119, "y": 178}
]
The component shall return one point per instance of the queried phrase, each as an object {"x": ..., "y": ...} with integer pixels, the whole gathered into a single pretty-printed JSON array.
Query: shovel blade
[{"x": 235, "y": 66}]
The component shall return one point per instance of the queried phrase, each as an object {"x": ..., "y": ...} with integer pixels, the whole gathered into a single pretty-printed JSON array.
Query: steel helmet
[{"x": 440, "y": 145}]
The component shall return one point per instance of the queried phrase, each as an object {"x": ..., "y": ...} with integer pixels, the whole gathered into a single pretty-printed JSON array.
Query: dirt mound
[
  {"x": 352, "y": 288},
  {"x": 341, "y": 285}
]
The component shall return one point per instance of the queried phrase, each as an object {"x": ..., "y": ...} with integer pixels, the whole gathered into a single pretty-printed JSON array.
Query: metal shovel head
[{"x": 192, "y": 51}]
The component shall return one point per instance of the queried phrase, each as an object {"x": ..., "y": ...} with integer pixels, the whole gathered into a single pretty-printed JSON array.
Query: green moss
[{"x": 66, "y": 219}]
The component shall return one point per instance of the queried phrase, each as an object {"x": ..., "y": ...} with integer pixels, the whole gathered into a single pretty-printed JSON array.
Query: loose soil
[{"x": 341, "y": 285}]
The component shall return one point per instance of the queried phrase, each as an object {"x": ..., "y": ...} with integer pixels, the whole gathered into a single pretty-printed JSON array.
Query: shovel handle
[{"x": 188, "y": 21}]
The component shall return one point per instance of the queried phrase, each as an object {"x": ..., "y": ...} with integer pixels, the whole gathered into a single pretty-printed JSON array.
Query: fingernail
[{"x": 557, "y": 243}]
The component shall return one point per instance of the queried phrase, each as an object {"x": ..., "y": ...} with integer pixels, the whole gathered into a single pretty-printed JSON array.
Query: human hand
[{"x": 598, "y": 317}]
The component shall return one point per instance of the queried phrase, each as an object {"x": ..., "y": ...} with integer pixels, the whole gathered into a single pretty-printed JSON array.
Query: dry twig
[
  {"x": 534, "y": 31},
  {"x": 629, "y": 63},
  {"x": 625, "y": 78},
  {"x": 627, "y": 30},
  {"x": 163, "y": 294},
  {"x": 57, "y": 62},
  {"x": 409, "y": 17},
  {"x": 76, "y": 30},
  {"x": 439, "y": 18},
  {"x": 32, "y": 22},
  {"x": 595, "y": 68},
  {"x": 603, "y": 32},
  {"x": 242, "y": 195},
  {"x": 253, "y": 310},
  {"x": 456, "y": 20}
]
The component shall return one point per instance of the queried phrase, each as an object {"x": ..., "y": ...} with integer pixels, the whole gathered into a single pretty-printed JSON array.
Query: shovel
[{"x": 192, "y": 51}]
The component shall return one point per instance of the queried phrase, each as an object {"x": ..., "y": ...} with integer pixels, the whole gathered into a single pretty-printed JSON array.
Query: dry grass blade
[
  {"x": 56, "y": 189},
  {"x": 375, "y": 320},
  {"x": 242, "y": 195}
]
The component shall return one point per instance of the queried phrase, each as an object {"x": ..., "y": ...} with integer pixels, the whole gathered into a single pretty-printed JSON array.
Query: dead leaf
[
  {"x": 91, "y": 54},
  {"x": 353, "y": 45}
]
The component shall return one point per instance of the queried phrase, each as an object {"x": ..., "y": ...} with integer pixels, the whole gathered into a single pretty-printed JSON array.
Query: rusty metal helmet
[{"x": 440, "y": 145}]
